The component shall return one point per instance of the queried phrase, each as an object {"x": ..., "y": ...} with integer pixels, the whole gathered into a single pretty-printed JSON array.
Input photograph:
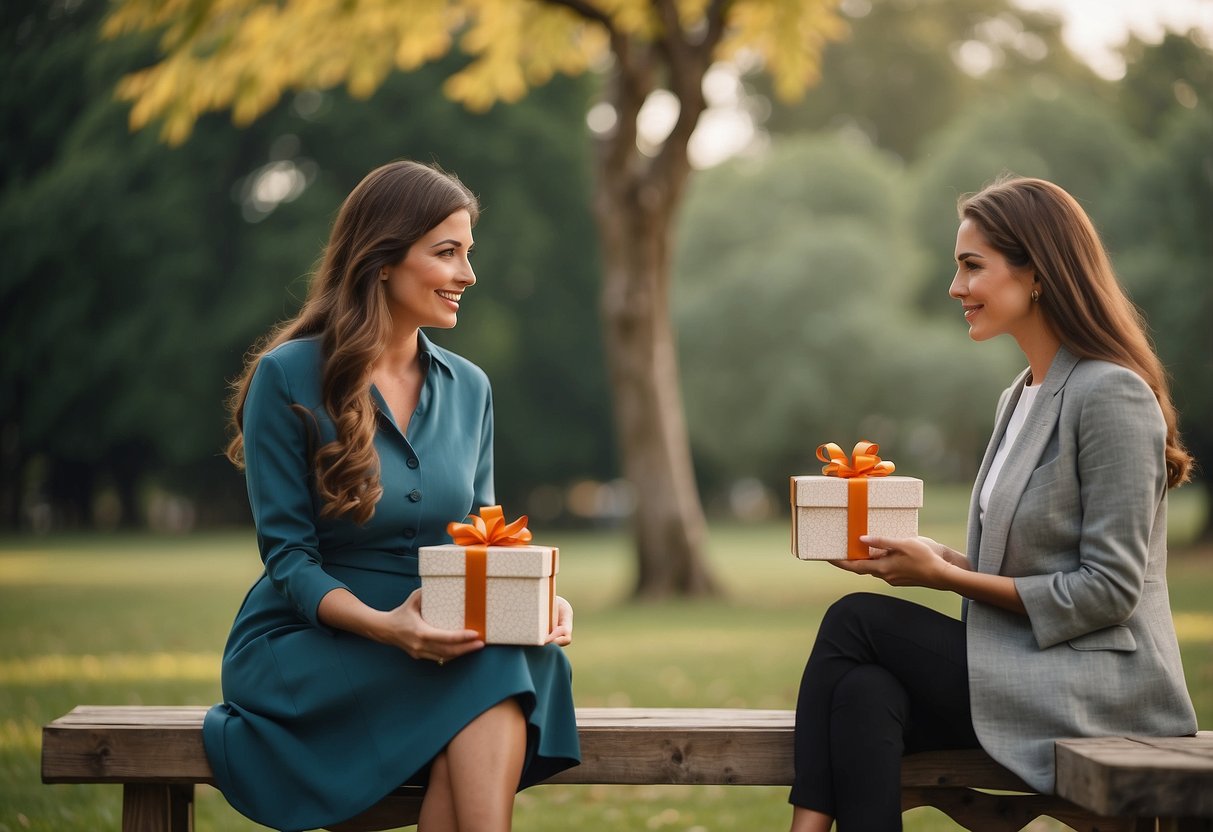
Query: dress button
[
  {"x": 414, "y": 496},
  {"x": 410, "y": 533},
  {"x": 413, "y": 463}
]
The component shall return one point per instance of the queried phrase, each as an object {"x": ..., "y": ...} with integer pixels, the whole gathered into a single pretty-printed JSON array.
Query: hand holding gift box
[
  {"x": 856, "y": 496},
  {"x": 490, "y": 580}
]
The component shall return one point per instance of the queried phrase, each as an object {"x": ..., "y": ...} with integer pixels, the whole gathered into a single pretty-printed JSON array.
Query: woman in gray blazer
[{"x": 1066, "y": 628}]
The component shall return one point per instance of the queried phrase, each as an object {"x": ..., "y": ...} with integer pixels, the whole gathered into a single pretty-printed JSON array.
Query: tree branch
[
  {"x": 627, "y": 90},
  {"x": 717, "y": 13},
  {"x": 688, "y": 63},
  {"x": 673, "y": 38},
  {"x": 588, "y": 11}
]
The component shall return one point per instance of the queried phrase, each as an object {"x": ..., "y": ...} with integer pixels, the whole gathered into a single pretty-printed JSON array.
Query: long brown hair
[
  {"x": 391, "y": 208},
  {"x": 1035, "y": 223}
]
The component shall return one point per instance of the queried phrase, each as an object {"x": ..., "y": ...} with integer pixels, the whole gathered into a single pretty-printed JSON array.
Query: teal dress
[{"x": 318, "y": 724}]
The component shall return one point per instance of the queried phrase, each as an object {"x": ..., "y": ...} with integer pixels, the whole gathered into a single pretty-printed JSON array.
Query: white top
[{"x": 1008, "y": 439}]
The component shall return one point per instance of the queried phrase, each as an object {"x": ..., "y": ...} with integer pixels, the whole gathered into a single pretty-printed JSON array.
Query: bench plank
[
  {"x": 156, "y": 753},
  {"x": 716, "y": 746},
  {"x": 126, "y": 744},
  {"x": 1161, "y": 776}
]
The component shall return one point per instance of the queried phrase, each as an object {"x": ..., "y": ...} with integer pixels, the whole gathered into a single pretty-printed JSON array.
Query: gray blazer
[{"x": 1078, "y": 517}]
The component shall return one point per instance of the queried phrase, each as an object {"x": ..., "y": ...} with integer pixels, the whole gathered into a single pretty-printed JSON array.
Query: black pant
[{"x": 886, "y": 677}]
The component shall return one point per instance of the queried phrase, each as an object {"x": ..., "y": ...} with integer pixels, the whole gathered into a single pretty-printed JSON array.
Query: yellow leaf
[{"x": 244, "y": 54}]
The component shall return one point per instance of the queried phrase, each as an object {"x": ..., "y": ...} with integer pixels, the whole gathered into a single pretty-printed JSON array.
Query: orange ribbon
[
  {"x": 489, "y": 529},
  {"x": 863, "y": 463}
]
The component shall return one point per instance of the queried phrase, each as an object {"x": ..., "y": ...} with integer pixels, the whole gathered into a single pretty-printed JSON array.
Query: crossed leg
[{"x": 473, "y": 780}]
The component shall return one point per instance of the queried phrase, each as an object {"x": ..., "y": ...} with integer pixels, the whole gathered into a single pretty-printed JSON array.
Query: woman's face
[
  {"x": 995, "y": 295},
  {"x": 425, "y": 288}
]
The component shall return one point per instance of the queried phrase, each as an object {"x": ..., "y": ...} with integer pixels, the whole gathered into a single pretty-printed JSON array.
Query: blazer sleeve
[
  {"x": 1121, "y": 476},
  {"x": 277, "y": 474}
]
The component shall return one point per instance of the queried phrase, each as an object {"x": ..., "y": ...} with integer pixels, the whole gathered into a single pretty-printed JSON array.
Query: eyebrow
[
  {"x": 447, "y": 242},
  {"x": 965, "y": 254}
]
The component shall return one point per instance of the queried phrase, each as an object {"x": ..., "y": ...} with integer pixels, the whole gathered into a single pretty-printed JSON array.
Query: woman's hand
[
  {"x": 562, "y": 632},
  {"x": 404, "y": 627},
  {"x": 947, "y": 553},
  {"x": 906, "y": 561},
  {"x": 920, "y": 561}
]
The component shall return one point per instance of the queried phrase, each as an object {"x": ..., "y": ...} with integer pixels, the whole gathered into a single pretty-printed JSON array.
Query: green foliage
[
  {"x": 911, "y": 66},
  {"x": 797, "y": 325},
  {"x": 1161, "y": 78},
  {"x": 1066, "y": 137},
  {"x": 1160, "y": 235}
]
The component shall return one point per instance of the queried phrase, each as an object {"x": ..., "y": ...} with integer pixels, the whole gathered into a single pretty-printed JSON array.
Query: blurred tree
[
  {"x": 1162, "y": 213},
  {"x": 1160, "y": 231},
  {"x": 137, "y": 275},
  {"x": 1067, "y": 137},
  {"x": 797, "y": 325},
  {"x": 76, "y": 292},
  {"x": 215, "y": 57},
  {"x": 1160, "y": 78},
  {"x": 909, "y": 66}
]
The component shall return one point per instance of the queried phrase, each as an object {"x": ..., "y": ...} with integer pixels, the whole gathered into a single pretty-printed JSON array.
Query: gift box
[
  {"x": 854, "y": 496},
  {"x": 490, "y": 580}
]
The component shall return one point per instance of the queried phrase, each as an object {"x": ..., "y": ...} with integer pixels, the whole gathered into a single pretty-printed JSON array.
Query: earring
[{"x": 1035, "y": 296}]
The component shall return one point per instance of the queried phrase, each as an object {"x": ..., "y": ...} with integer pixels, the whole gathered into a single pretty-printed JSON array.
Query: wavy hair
[
  {"x": 390, "y": 209},
  {"x": 1035, "y": 223}
]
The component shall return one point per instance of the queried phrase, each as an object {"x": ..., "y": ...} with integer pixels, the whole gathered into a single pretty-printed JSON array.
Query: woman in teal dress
[{"x": 360, "y": 440}]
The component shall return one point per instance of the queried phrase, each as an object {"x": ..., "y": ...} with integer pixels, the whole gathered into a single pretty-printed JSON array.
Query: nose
[
  {"x": 959, "y": 287},
  {"x": 468, "y": 278}
]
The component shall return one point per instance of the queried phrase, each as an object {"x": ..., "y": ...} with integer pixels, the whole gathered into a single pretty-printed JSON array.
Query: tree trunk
[
  {"x": 635, "y": 205},
  {"x": 12, "y": 476},
  {"x": 670, "y": 532}
]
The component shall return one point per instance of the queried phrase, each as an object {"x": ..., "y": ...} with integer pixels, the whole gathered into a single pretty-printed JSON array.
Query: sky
[{"x": 1095, "y": 28}]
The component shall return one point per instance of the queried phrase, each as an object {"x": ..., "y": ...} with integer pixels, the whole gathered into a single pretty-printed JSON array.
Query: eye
[{"x": 447, "y": 252}]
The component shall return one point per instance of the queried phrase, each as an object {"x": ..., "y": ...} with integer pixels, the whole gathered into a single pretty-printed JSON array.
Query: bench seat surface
[
  {"x": 1119, "y": 776},
  {"x": 742, "y": 746}
]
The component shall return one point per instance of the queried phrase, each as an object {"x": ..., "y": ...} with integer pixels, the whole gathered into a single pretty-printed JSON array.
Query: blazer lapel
[{"x": 1021, "y": 461}]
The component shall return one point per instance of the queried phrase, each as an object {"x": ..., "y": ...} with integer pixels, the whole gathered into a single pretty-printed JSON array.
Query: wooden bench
[{"x": 156, "y": 754}]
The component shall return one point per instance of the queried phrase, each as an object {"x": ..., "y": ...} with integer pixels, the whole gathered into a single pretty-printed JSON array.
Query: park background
[{"x": 811, "y": 267}]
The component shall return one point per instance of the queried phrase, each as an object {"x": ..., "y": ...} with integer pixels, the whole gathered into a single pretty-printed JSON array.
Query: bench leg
[
  {"x": 992, "y": 812},
  {"x": 400, "y": 808},
  {"x": 158, "y": 807}
]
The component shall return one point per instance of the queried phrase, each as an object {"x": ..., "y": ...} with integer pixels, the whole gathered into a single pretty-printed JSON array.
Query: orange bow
[
  {"x": 864, "y": 462},
  {"x": 489, "y": 529}
]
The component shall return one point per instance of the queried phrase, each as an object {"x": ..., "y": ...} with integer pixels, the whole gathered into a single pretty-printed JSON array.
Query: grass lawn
[{"x": 142, "y": 620}]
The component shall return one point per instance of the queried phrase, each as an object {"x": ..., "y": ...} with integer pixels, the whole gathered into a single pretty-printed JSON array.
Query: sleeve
[
  {"x": 483, "y": 492},
  {"x": 276, "y": 472},
  {"x": 1121, "y": 473}
]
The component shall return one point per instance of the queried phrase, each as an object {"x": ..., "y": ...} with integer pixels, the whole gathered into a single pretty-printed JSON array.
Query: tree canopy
[{"x": 244, "y": 55}]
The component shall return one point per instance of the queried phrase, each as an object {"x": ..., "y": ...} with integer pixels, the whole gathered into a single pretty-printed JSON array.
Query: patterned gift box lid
[
  {"x": 502, "y": 561},
  {"x": 831, "y": 492}
]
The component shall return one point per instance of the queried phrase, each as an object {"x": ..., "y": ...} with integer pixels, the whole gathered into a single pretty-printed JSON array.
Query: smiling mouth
[
  {"x": 453, "y": 297},
  {"x": 970, "y": 311}
]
